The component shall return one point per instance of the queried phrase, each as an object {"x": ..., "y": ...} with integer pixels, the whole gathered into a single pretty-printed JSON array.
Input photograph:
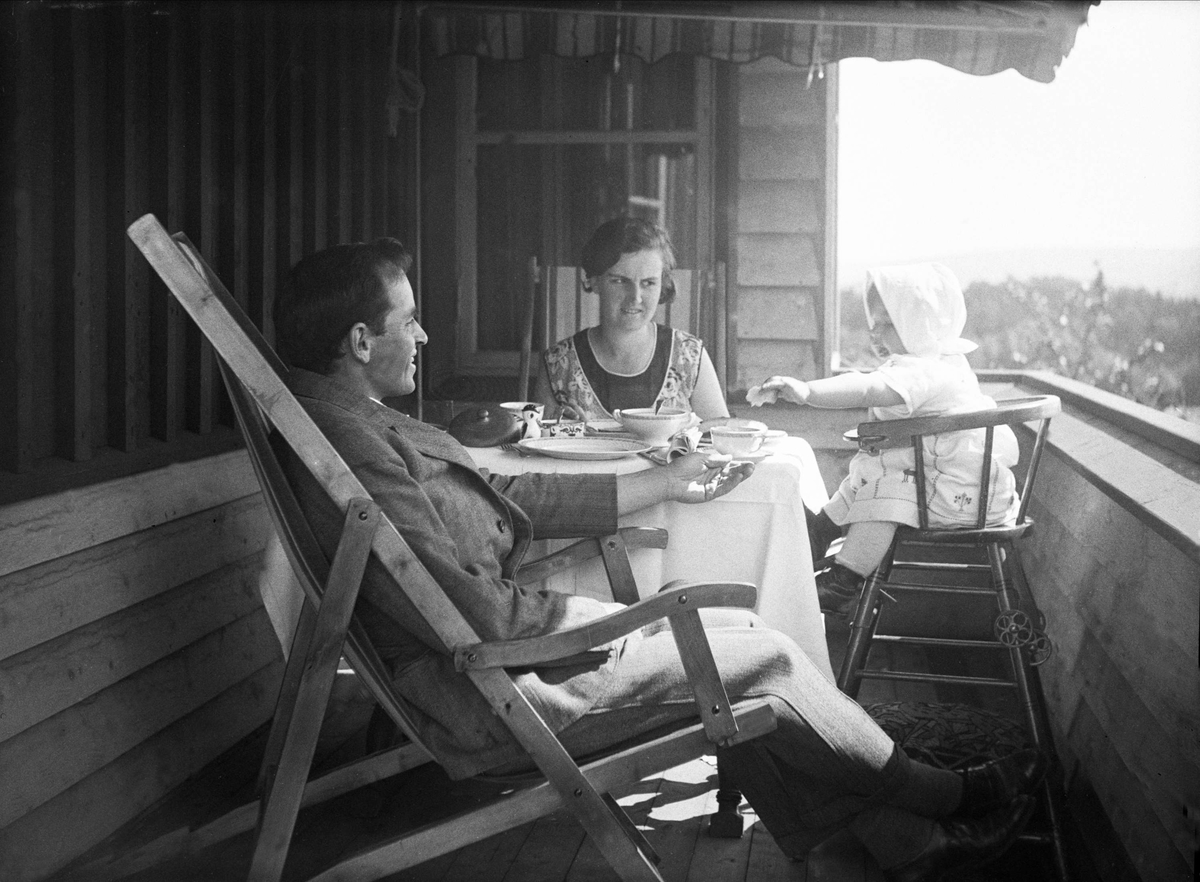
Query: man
[{"x": 346, "y": 324}]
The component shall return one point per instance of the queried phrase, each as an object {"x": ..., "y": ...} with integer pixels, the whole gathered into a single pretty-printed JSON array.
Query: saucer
[{"x": 756, "y": 456}]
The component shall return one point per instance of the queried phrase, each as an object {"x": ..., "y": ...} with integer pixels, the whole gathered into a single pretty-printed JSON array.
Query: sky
[{"x": 932, "y": 161}]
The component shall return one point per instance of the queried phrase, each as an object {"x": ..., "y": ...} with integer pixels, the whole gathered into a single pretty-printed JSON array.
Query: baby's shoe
[{"x": 838, "y": 590}]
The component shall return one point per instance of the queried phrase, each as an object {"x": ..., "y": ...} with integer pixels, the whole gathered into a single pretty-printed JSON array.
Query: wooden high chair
[{"x": 936, "y": 554}]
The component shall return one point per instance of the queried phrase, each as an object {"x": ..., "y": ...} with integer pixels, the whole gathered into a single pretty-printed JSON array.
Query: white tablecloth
[{"x": 755, "y": 534}]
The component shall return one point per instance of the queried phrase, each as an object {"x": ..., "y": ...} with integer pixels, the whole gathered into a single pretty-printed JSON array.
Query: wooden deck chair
[{"x": 581, "y": 789}]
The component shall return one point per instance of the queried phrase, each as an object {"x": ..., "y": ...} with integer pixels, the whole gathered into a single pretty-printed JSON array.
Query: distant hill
[{"x": 1173, "y": 271}]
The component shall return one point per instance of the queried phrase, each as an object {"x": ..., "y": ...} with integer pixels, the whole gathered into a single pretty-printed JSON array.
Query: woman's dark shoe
[
  {"x": 961, "y": 844},
  {"x": 989, "y": 786},
  {"x": 838, "y": 589}
]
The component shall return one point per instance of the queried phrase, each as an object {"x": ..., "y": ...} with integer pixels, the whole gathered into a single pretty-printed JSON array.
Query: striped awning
[{"x": 974, "y": 37}]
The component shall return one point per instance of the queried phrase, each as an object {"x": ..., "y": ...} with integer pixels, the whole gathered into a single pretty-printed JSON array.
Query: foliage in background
[{"x": 1131, "y": 342}]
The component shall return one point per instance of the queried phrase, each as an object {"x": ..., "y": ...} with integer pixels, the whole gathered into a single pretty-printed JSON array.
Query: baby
[{"x": 915, "y": 315}]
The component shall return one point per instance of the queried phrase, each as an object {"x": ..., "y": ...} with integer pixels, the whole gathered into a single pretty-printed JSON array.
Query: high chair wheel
[
  {"x": 1013, "y": 628},
  {"x": 1040, "y": 648}
]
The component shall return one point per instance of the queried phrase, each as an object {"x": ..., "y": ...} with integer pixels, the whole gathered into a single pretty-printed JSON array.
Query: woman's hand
[
  {"x": 788, "y": 388},
  {"x": 702, "y": 476}
]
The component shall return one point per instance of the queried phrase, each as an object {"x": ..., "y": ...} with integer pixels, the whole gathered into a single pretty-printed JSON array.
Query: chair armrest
[
  {"x": 548, "y": 648},
  {"x": 586, "y": 549}
]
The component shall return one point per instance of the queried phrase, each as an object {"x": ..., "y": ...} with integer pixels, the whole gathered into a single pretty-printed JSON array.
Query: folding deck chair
[{"x": 328, "y": 626}]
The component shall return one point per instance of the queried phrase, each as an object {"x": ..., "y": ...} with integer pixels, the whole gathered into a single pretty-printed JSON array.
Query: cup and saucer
[{"x": 743, "y": 442}]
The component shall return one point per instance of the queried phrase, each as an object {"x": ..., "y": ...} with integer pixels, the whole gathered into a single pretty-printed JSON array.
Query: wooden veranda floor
[{"x": 672, "y": 810}]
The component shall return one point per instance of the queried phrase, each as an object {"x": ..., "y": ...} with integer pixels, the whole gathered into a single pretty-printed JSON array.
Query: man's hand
[
  {"x": 697, "y": 477},
  {"x": 701, "y": 476},
  {"x": 789, "y": 389}
]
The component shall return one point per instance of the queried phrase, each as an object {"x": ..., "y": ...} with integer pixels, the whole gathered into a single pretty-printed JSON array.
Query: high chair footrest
[{"x": 948, "y": 679}]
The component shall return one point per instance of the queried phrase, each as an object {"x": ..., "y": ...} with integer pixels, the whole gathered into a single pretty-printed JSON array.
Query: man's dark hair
[
  {"x": 327, "y": 293},
  {"x": 628, "y": 235}
]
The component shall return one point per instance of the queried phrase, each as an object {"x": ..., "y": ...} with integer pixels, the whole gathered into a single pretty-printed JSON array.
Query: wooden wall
[
  {"x": 259, "y": 130},
  {"x": 779, "y": 257},
  {"x": 1121, "y": 592},
  {"x": 134, "y": 649},
  {"x": 133, "y": 645}
]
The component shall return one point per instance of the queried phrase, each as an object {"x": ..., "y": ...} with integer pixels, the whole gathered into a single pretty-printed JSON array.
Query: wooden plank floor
[{"x": 671, "y": 809}]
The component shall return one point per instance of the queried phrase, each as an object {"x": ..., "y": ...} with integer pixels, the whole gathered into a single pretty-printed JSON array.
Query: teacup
[{"x": 735, "y": 440}]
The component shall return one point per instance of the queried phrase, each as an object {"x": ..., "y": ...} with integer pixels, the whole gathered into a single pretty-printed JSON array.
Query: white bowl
[
  {"x": 736, "y": 440},
  {"x": 655, "y": 429}
]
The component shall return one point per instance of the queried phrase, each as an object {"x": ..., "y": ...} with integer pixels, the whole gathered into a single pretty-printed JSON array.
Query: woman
[{"x": 629, "y": 360}]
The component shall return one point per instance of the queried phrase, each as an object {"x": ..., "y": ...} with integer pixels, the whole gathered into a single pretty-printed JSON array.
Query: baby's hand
[
  {"x": 787, "y": 388},
  {"x": 757, "y": 396}
]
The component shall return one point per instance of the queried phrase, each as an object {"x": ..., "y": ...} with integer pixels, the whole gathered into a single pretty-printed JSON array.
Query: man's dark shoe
[
  {"x": 838, "y": 589},
  {"x": 992, "y": 785},
  {"x": 962, "y": 844}
]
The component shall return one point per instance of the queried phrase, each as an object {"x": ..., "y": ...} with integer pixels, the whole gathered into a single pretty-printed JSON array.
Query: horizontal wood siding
[
  {"x": 1122, "y": 604},
  {"x": 134, "y": 647},
  {"x": 141, "y": 612},
  {"x": 777, "y": 314}
]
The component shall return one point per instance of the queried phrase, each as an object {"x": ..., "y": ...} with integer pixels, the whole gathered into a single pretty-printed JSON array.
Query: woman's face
[
  {"x": 885, "y": 341},
  {"x": 629, "y": 290}
]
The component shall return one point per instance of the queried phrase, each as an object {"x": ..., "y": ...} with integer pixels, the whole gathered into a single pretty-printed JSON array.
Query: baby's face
[{"x": 885, "y": 342}]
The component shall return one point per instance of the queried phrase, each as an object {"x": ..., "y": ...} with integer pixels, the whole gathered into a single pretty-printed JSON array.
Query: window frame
[{"x": 471, "y": 360}]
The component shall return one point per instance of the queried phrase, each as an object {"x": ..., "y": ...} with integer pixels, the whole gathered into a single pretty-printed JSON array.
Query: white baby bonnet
[{"x": 925, "y": 303}]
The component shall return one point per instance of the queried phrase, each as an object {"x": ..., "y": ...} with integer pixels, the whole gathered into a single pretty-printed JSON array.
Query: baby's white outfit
[
  {"x": 883, "y": 487},
  {"x": 925, "y": 304}
]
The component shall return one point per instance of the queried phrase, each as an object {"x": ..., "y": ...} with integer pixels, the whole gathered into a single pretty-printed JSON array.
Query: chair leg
[
  {"x": 726, "y": 822},
  {"x": 284, "y": 785},
  {"x": 862, "y": 628},
  {"x": 1029, "y": 690}
]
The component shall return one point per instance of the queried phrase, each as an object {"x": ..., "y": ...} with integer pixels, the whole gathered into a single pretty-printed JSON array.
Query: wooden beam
[
  {"x": 201, "y": 369},
  {"x": 344, "y": 135},
  {"x": 266, "y": 142},
  {"x": 38, "y": 684},
  {"x": 240, "y": 172},
  {"x": 366, "y": 129},
  {"x": 74, "y": 422},
  {"x": 49, "y": 600},
  {"x": 319, "y": 135},
  {"x": 129, "y": 361},
  {"x": 34, "y": 847},
  {"x": 47, "y": 759},
  {"x": 53, "y": 526},
  {"x": 295, "y": 135},
  {"x": 29, "y": 257}
]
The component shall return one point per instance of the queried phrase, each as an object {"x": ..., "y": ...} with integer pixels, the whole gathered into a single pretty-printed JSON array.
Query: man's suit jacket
[{"x": 470, "y": 530}]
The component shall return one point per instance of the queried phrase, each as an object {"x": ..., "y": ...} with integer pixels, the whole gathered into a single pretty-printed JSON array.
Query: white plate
[{"x": 583, "y": 448}]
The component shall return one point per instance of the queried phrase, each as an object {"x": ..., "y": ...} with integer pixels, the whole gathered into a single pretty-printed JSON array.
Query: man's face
[{"x": 392, "y": 367}]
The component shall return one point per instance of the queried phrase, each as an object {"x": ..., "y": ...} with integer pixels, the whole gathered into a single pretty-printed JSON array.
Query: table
[{"x": 756, "y": 533}]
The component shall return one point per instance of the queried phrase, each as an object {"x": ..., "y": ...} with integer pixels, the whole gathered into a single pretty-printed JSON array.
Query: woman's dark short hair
[
  {"x": 329, "y": 292},
  {"x": 628, "y": 235}
]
